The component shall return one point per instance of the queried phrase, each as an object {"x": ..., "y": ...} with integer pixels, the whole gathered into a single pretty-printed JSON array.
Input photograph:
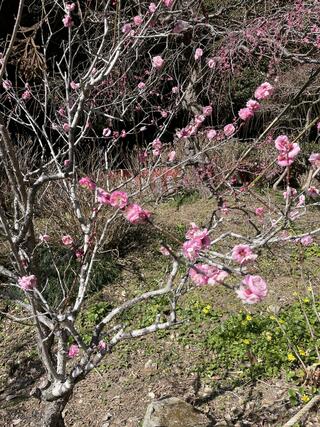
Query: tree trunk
[{"x": 53, "y": 413}]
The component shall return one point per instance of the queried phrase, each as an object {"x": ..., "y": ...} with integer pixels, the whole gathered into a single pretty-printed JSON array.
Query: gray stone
[{"x": 173, "y": 412}]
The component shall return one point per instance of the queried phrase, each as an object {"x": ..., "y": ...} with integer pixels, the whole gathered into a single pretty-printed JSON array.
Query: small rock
[
  {"x": 150, "y": 366},
  {"x": 173, "y": 412}
]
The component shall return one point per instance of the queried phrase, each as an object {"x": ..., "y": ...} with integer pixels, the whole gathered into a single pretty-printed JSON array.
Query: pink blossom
[
  {"x": 66, "y": 127},
  {"x": 245, "y": 113},
  {"x": 102, "y": 345},
  {"x": 229, "y": 130},
  {"x": 191, "y": 249},
  {"x": 282, "y": 143},
  {"x": 123, "y": 133},
  {"x": 67, "y": 21},
  {"x": 152, "y": 7},
  {"x": 287, "y": 150},
  {"x": 67, "y": 240},
  {"x": 115, "y": 134},
  {"x": 318, "y": 126},
  {"x": 164, "y": 114},
  {"x": 156, "y": 152},
  {"x": 254, "y": 289},
  {"x": 207, "y": 111},
  {"x": 264, "y": 91},
  {"x": 172, "y": 156},
  {"x": 106, "y": 132},
  {"x": 204, "y": 274},
  {"x": 79, "y": 253},
  {"x": 200, "y": 118},
  {"x": 157, "y": 144},
  {"x": 70, "y": 7},
  {"x": 198, "y": 238},
  {"x": 301, "y": 201},
  {"x": 141, "y": 85},
  {"x": 136, "y": 214},
  {"x": 314, "y": 159},
  {"x": 44, "y": 237},
  {"x": 198, "y": 54},
  {"x": 103, "y": 197},
  {"x": 74, "y": 85},
  {"x": 167, "y": 3},
  {"x": 286, "y": 159},
  {"x": 7, "y": 84},
  {"x": 211, "y": 134},
  {"x": 306, "y": 240},
  {"x": 27, "y": 283},
  {"x": 137, "y": 20},
  {"x": 242, "y": 254},
  {"x": 253, "y": 105},
  {"x": 259, "y": 212},
  {"x": 26, "y": 95},
  {"x": 62, "y": 112},
  {"x": 87, "y": 182},
  {"x": 289, "y": 193},
  {"x": 126, "y": 28},
  {"x": 175, "y": 89},
  {"x": 211, "y": 63},
  {"x": 313, "y": 192},
  {"x": 66, "y": 163},
  {"x": 73, "y": 351},
  {"x": 194, "y": 232},
  {"x": 118, "y": 199},
  {"x": 157, "y": 62}
]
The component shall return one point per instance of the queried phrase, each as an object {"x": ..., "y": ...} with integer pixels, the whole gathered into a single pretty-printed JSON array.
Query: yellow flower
[
  {"x": 272, "y": 317},
  {"x": 306, "y": 300},
  {"x": 246, "y": 341},
  {"x": 248, "y": 317},
  {"x": 305, "y": 398},
  {"x": 206, "y": 309},
  {"x": 268, "y": 336},
  {"x": 301, "y": 351},
  {"x": 295, "y": 293},
  {"x": 281, "y": 321},
  {"x": 309, "y": 288},
  {"x": 291, "y": 357}
]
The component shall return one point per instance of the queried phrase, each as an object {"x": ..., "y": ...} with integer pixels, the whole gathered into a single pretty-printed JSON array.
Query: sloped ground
[{"x": 179, "y": 362}]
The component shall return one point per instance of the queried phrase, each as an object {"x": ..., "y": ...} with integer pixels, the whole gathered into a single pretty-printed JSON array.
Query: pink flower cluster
[
  {"x": 136, "y": 215},
  {"x": 242, "y": 254},
  {"x": 87, "y": 183},
  {"x": 198, "y": 54},
  {"x": 67, "y": 20},
  {"x": 197, "y": 240},
  {"x": 195, "y": 124},
  {"x": 314, "y": 159},
  {"x": 306, "y": 240},
  {"x": 73, "y": 351},
  {"x": 67, "y": 240},
  {"x": 262, "y": 92},
  {"x": 288, "y": 151},
  {"x": 253, "y": 289},
  {"x": 204, "y": 274},
  {"x": 157, "y": 147},
  {"x": 27, "y": 283},
  {"x": 118, "y": 200},
  {"x": 157, "y": 62}
]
